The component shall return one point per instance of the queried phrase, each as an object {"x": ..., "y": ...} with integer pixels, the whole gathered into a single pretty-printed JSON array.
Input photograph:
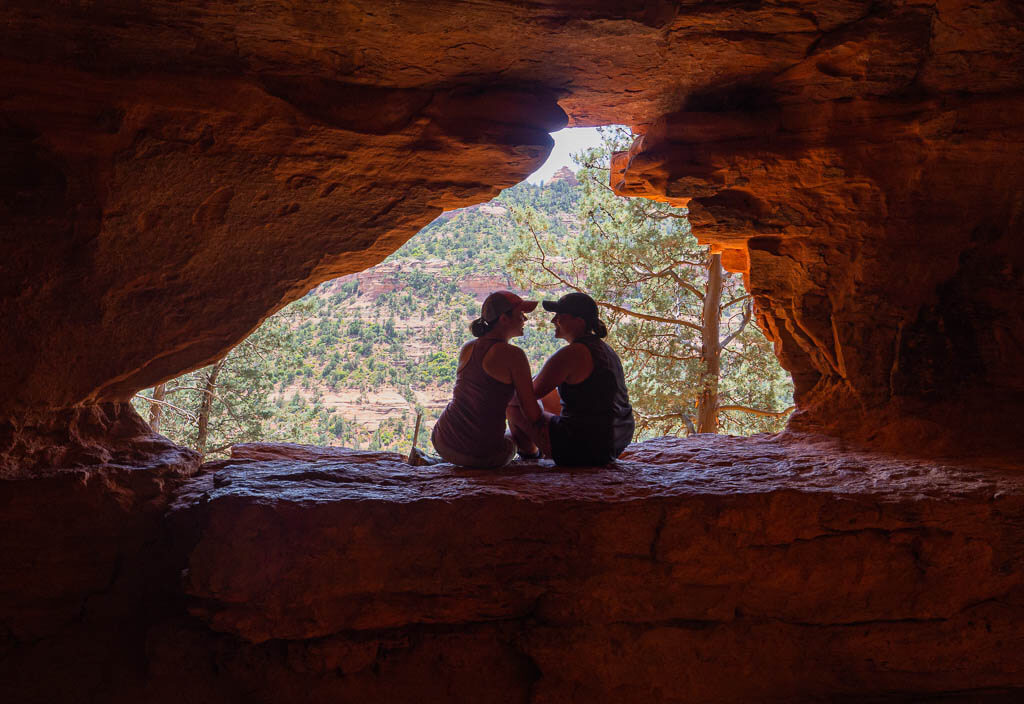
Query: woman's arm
[
  {"x": 520, "y": 371},
  {"x": 554, "y": 372}
]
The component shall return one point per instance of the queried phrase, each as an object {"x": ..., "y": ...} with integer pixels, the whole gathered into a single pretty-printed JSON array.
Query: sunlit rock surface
[{"x": 707, "y": 569}]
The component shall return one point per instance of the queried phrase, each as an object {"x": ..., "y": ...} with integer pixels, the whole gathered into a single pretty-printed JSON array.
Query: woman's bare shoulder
[
  {"x": 465, "y": 353},
  {"x": 577, "y": 350},
  {"x": 505, "y": 351}
]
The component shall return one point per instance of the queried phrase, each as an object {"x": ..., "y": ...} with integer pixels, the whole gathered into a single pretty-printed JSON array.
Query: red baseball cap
[{"x": 501, "y": 302}]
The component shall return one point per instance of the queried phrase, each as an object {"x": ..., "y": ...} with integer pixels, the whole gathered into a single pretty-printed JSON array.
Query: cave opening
[{"x": 359, "y": 360}]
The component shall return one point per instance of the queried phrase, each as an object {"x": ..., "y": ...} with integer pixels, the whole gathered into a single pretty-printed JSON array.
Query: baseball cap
[
  {"x": 501, "y": 302},
  {"x": 579, "y": 304}
]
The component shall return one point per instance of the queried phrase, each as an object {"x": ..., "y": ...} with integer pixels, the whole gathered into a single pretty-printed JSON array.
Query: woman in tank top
[
  {"x": 471, "y": 430},
  {"x": 594, "y": 420}
]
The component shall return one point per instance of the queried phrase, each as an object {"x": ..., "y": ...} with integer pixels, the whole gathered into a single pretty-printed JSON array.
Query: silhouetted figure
[
  {"x": 471, "y": 430},
  {"x": 595, "y": 420}
]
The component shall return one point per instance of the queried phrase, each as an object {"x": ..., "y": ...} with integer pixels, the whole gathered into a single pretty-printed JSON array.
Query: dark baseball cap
[
  {"x": 579, "y": 304},
  {"x": 501, "y": 302}
]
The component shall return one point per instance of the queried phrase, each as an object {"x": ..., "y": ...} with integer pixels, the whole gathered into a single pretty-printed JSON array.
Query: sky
[{"x": 567, "y": 141}]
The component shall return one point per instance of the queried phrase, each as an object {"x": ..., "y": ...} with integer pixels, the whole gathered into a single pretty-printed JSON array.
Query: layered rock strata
[{"x": 708, "y": 569}]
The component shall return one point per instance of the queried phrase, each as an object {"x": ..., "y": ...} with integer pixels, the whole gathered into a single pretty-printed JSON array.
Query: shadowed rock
[{"x": 827, "y": 572}]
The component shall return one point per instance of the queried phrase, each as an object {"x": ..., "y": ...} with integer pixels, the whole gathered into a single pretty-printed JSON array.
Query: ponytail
[
  {"x": 481, "y": 327},
  {"x": 598, "y": 327}
]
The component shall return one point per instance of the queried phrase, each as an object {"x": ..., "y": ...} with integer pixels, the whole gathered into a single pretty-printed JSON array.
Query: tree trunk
[
  {"x": 155, "y": 409},
  {"x": 711, "y": 350},
  {"x": 204, "y": 408}
]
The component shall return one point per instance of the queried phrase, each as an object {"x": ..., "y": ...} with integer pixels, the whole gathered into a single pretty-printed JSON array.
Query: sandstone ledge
[{"x": 707, "y": 569}]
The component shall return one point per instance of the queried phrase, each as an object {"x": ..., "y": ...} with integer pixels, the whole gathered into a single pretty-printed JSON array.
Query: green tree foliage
[
  {"x": 347, "y": 343},
  {"x": 227, "y": 402},
  {"x": 640, "y": 261},
  {"x": 281, "y": 384}
]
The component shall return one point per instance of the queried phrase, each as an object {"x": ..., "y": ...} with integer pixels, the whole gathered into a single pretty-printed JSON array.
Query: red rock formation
[
  {"x": 85, "y": 560},
  {"x": 709, "y": 569},
  {"x": 195, "y": 187},
  {"x": 871, "y": 195},
  {"x": 386, "y": 278},
  {"x": 187, "y": 172},
  {"x": 106, "y": 436},
  {"x": 170, "y": 181},
  {"x": 174, "y": 172},
  {"x": 563, "y": 175}
]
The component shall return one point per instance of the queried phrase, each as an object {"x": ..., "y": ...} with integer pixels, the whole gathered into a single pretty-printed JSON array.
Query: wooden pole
[{"x": 415, "y": 439}]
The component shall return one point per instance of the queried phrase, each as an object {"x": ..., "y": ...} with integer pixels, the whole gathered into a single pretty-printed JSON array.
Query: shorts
[
  {"x": 498, "y": 458},
  {"x": 574, "y": 446}
]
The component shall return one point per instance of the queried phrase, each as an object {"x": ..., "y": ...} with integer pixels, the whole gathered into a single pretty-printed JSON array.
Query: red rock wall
[
  {"x": 175, "y": 172},
  {"x": 86, "y": 560},
  {"x": 708, "y": 569},
  {"x": 872, "y": 195},
  {"x": 161, "y": 204}
]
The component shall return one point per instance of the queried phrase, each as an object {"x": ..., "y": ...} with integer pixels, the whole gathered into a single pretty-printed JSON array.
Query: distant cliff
[{"x": 565, "y": 175}]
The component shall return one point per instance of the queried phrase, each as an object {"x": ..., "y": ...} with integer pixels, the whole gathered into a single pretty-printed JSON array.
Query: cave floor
[
  {"x": 663, "y": 467},
  {"x": 704, "y": 569}
]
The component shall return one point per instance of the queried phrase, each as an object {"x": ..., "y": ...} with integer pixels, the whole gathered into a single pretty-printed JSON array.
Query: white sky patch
[{"x": 567, "y": 142}]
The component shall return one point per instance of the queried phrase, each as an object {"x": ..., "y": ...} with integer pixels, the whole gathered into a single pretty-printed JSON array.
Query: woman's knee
[{"x": 551, "y": 402}]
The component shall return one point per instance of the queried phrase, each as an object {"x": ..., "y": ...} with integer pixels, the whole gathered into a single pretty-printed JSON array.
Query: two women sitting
[{"x": 575, "y": 411}]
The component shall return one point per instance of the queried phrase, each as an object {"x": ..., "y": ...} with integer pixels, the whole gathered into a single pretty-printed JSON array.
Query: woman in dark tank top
[
  {"x": 471, "y": 430},
  {"x": 594, "y": 422}
]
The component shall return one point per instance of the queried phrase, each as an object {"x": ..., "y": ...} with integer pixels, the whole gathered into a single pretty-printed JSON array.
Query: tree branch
[
  {"x": 684, "y": 284},
  {"x": 684, "y": 417},
  {"x": 659, "y": 355},
  {"x": 154, "y": 401},
  {"x": 747, "y": 312},
  {"x": 605, "y": 304},
  {"x": 757, "y": 411},
  {"x": 736, "y": 300},
  {"x": 185, "y": 387},
  {"x": 646, "y": 316}
]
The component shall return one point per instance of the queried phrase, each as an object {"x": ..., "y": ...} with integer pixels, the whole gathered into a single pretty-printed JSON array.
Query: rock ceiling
[{"x": 175, "y": 172}]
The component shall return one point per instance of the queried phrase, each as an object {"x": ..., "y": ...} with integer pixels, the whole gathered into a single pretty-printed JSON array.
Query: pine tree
[{"x": 693, "y": 360}]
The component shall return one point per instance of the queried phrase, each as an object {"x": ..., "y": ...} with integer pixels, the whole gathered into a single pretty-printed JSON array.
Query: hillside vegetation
[{"x": 354, "y": 361}]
